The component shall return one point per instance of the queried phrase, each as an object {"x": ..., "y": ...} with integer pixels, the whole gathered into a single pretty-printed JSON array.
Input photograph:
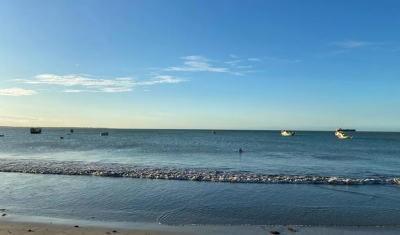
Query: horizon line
[{"x": 199, "y": 129}]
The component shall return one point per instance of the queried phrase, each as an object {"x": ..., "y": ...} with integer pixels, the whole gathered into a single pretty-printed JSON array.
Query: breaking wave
[{"x": 168, "y": 173}]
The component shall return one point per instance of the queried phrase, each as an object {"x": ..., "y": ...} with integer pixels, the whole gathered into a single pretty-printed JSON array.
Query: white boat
[
  {"x": 342, "y": 135},
  {"x": 337, "y": 133},
  {"x": 287, "y": 133},
  {"x": 103, "y": 133}
]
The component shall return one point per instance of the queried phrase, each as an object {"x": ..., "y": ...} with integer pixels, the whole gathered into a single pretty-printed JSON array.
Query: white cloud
[
  {"x": 17, "y": 92},
  {"x": 95, "y": 84},
  {"x": 234, "y": 56},
  {"x": 77, "y": 65},
  {"x": 162, "y": 79},
  {"x": 117, "y": 89},
  {"x": 254, "y": 59},
  {"x": 197, "y": 64},
  {"x": 352, "y": 43},
  {"x": 244, "y": 67},
  {"x": 73, "y": 91}
]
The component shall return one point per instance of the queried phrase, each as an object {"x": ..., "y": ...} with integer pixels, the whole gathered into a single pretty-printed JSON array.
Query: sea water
[{"x": 313, "y": 178}]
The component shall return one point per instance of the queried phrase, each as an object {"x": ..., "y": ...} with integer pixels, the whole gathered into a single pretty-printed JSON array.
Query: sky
[{"x": 201, "y": 64}]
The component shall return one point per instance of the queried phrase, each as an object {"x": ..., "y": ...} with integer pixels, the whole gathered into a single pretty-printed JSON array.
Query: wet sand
[
  {"x": 25, "y": 228},
  {"x": 49, "y": 226}
]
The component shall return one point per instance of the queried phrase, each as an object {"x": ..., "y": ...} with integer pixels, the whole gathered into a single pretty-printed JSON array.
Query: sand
[
  {"x": 15, "y": 225},
  {"x": 26, "y": 228}
]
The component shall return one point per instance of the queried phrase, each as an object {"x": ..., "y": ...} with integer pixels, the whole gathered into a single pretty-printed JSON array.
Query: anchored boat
[
  {"x": 342, "y": 135},
  {"x": 287, "y": 133},
  {"x": 340, "y": 129},
  {"x": 103, "y": 133},
  {"x": 36, "y": 130}
]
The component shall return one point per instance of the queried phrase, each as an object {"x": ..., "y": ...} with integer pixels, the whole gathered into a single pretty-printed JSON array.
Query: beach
[{"x": 48, "y": 226}]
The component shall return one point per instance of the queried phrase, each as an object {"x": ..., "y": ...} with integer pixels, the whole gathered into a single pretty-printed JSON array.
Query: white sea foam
[{"x": 168, "y": 173}]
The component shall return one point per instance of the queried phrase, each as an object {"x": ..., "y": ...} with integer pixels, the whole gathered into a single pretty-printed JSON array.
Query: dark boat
[
  {"x": 72, "y": 130},
  {"x": 36, "y": 130},
  {"x": 340, "y": 129}
]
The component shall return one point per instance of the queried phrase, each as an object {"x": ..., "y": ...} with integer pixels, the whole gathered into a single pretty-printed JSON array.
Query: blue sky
[{"x": 201, "y": 64}]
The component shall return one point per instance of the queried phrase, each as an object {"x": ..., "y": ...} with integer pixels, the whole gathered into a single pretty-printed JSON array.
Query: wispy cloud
[
  {"x": 18, "y": 120},
  {"x": 162, "y": 79},
  {"x": 106, "y": 85},
  {"x": 233, "y": 62},
  {"x": 91, "y": 83},
  {"x": 340, "y": 52},
  {"x": 234, "y": 56},
  {"x": 77, "y": 65},
  {"x": 237, "y": 73},
  {"x": 332, "y": 54},
  {"x": 21, "y": 117},
  {"x": 73, "y": 91},
  {"x": 351, "y": 43},
  {"x": 17, "y": 92},
  {"x": 279, "y": 60},
  {"x": 254, "y": 59},
  {"x": 197, "y": 64},
  {"x": 244, "y": 66}
]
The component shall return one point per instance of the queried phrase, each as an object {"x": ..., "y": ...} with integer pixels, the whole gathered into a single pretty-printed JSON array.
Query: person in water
[{"x": 240, "y": 150}]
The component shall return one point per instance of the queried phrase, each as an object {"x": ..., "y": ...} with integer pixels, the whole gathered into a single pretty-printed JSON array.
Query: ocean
[{"x": 191, "y": 177}]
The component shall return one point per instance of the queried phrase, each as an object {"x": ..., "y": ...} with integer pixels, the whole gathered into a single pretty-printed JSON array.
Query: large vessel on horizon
[
  {"x": 36, "y": 130},
  {"x": 340, "y": 129}
]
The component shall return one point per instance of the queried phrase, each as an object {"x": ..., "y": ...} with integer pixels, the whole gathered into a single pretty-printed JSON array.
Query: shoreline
[{"x": 19, "y": 225}]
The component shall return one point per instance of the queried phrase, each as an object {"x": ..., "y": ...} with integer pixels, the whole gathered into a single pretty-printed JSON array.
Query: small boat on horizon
[
  {"x": 72, "y": 130},
  {"x": 213, "y": 132},
  {"x": 287, "y": 133},
  {"x": 103, "y": 133},
  {"x": 36, "y": 130},
  {"x": 2, "y": 135},
  {"x": 339, "y": 132},
  {"x": 342, "y": 135}
]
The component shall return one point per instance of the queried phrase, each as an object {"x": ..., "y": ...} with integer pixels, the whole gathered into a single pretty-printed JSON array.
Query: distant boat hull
[
  {"x": 36, "y": 131},
  {"x": 288, "y": 133},
  {"x": 345, "y": 137},
  {"x": 340, "y": 129},
  {"x": 103, "y": 133},
  {"x": 1, "y": 135}
]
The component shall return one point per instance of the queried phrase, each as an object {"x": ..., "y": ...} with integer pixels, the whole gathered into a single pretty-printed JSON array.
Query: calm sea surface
[{"x": 370, "y": 160}]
